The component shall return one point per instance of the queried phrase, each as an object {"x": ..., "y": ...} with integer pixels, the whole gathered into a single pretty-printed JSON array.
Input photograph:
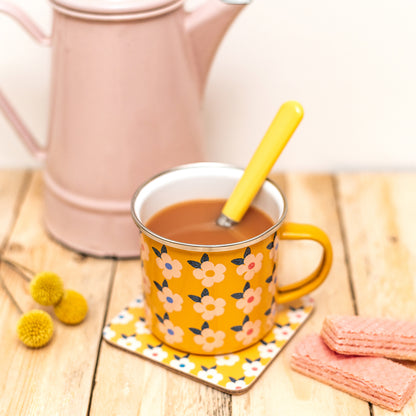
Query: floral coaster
[{"x": 231, "y": 373}]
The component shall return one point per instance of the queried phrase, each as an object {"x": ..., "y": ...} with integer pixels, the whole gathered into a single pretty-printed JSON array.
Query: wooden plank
[
  {"x": 379, "y": 217},
  {"x": 12, "y": 187},
  {"x": 128, "y": 385},
  {"x": 57, "y": 379},
  {"x": 280, "y": 390}
]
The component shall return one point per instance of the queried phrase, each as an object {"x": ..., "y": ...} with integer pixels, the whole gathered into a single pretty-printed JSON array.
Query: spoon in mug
[{"x": 274, "y": 141}]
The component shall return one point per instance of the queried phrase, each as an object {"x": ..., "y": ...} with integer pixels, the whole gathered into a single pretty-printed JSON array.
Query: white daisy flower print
[
  {"x": 182, "y": 364},
  {"x": 234, "y": 384},
  {"x": 124, "y": 317},
  {"x": 108, "y": 333},
  {"x": 155, "y": 353},
  {"x": 227, "y": 359},
  {"x": 282, "y": 332},
  {"x": 268, "y": 350},
  {"x": 136, "y": 303},
  {"x": 129, "y": 342},
  {"x": 296, "y": 316},
  {"x": 252, "y": 368},
  {"x": 210, "y": 374},
  {"x": 141, "y": 327}
]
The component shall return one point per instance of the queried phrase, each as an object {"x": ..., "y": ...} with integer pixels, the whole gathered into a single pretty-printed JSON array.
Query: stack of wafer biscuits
[
  {"x": 350, "y": 356},
  {"x": 379, "y": 337}
]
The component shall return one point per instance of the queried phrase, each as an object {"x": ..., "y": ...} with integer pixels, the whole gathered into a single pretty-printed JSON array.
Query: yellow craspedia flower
[
  {"x": 72, "y": 308},
  {"x": 47, "y": 288},
  {"x": 35, "y": 328}
]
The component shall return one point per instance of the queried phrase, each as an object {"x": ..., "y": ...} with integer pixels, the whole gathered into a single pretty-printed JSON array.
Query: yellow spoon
[{"x": 274, "y": 141}]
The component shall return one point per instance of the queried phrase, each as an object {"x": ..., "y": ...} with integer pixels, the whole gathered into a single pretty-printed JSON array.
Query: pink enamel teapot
[{"x": 127, "y": 80}]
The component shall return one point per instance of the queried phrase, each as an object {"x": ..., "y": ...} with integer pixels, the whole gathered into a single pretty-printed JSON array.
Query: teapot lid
[{"x": 114, "y": 6}]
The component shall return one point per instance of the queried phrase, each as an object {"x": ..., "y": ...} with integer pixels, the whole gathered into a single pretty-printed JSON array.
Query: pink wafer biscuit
[
  {"x": 374, "y": 379},
  {"x": 379, "y": 337}
]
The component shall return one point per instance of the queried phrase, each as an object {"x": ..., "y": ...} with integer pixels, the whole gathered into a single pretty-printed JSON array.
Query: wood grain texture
[
  {"x": 13, "y": 184},
  {"x": 280, "y": 390},
  {"x": 129, "y": 385},
  {"x": 57, "y": 379},
  {"x": 374, "y": 241},
  {"x": 379, "y": 219}
]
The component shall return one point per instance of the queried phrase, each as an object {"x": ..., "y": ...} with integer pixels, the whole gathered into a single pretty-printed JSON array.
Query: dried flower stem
[
  {"x": 19, "y": 268},
  {"x": 6, "y": 289}
]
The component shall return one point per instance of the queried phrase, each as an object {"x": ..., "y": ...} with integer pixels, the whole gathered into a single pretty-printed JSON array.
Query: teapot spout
[{"x": 206, "y": 26}]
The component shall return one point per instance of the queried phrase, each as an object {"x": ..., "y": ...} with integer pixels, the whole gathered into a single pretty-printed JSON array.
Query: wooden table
[{"x": 371, "y": 220}]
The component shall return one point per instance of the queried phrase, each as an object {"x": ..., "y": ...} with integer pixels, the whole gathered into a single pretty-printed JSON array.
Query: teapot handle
[{"x": 9, "y": 112}]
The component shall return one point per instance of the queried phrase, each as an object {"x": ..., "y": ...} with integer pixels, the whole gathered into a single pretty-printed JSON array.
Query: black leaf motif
[
  {"x": 237, "y": 262},
  {"x": 194, "y": 298},
  {"x": 232, "y": 379},
  {"x": 177, "y": 357},
  {"x": 159, "y": 318},
  {"x": 204, "y": 368},
  {"x": 246, "y": 319},
  {"x": 237, "y": 295},
  {"x": 269, "y": 279},
  {"x": 156, "y": 251},
  {"x": 163, "y": 249},
  {"x": 195, "y": 331},
  {"x": 165, "y": 283},
  {"x": 237, "y": 328},
  {"x": 204, "y": 293},
  {"x": 166, "y": 316},
  {"x": 205, "y": 325},
  {"x": 247, "y": 252},
  {"x": 157, "y": 285},
  {"x": 270, "y": 246},
  {"x": 194, "y": 264},
  {"x": 267, "y": 313},
  {"x": 246, "y": 286},
  {"x": 204, "y": 258},
  {"x": 248, "y": 360}
]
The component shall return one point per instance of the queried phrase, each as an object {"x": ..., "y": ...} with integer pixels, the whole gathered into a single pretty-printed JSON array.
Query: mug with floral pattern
[{"x": 216, "y": 299}]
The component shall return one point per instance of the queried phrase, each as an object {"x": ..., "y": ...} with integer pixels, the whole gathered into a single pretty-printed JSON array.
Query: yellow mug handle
[{"x": 293, "y": 231}]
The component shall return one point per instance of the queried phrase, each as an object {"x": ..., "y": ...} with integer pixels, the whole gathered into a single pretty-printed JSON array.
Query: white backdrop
[{"x": 351, "y": 64}]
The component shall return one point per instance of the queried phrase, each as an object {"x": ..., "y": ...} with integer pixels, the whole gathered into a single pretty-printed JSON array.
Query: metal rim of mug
[{"x": 207, "y": 247}]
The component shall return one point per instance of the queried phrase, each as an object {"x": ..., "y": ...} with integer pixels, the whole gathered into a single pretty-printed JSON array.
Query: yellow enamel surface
[
  {"x": 221, "y": 279},
  {"x": 215, "y": 302},
  {"x": 293, "y": 231}
]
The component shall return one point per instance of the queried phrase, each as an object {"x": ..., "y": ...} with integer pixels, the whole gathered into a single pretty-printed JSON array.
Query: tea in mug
[{"x": 194, "y": 222}]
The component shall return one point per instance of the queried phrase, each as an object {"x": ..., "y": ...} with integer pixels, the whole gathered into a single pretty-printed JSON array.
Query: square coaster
[{"x": 231, "y": 373}]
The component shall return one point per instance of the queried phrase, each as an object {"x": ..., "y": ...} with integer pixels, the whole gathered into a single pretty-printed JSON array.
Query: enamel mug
[{"x": 216, "y": 299}]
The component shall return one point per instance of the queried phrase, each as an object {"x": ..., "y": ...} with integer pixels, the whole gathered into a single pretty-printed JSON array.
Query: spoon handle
[{"x": 274, "y": 141}]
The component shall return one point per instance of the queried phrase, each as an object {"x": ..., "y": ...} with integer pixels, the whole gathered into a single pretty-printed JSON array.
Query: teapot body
[
  {"x": 125, "y": 104},
  {"x": 127, "y": 78}
]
